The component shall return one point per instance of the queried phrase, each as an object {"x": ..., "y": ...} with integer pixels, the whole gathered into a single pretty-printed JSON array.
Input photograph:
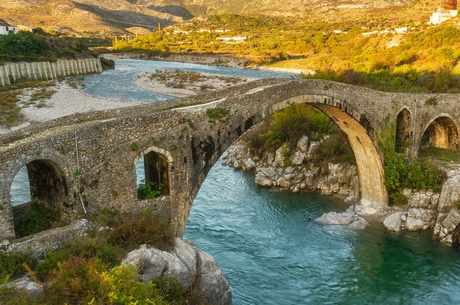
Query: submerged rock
[{"x": 348, "y": 218}]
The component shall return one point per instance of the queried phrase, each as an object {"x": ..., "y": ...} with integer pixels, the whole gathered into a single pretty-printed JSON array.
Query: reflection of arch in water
[
  {"x": 156, "y": 167},
  {"x": 441, "y": 132},
  {"x": 403, "y": 130},
  {"x": 48, "y": 191}
]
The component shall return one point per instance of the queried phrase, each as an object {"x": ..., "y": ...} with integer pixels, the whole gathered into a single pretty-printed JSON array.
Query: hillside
[{"x": 101, "y": 17}]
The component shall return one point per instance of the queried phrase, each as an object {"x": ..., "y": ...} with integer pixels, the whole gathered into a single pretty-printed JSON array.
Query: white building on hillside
[
  {"x": 5, "y": 28},
  {"x": 442, "y": 15},
  {"x": 233, "y": 39}
]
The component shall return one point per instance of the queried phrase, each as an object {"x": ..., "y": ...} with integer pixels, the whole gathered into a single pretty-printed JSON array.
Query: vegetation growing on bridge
[
  {"x": 399, "y": 173},
  {"x": 86, "y": 272}
]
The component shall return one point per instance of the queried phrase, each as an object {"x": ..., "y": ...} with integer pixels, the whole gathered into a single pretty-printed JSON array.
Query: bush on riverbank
[
  {"x": 289, "y": 125},
  {"x": 398, "y": 173},
  {"x": 85, "y": 271}
]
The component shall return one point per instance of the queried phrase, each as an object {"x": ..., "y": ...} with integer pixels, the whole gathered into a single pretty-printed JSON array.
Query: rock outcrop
[
  {"x": 192, "y": 268},
  {"x": 187, "y": 265},
  {"x": 428, "y": 210},
  {"x": 294, "y": 170}
]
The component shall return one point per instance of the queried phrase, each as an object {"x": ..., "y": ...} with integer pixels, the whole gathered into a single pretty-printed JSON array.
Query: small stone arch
[
  {"x": 441, "y": 132},
  {"x": 158, "y": 165},
  {"x": 404, "y": 131},
  {"x": 49, "y": 193}
]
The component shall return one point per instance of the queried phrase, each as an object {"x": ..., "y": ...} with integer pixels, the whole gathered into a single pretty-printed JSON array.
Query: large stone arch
[
  {"x": 158, "y": 166},
  {"x": 443, "y": 132},
  {"x": 359, "y": 132},
  {"x": 350, "y": 120},
  {"x": 404, "y": 132}
]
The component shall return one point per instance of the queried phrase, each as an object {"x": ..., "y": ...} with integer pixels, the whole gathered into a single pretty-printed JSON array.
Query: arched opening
[
  {"x": 39, "y": 198},
  {"x": 152, "y": 171},
  {"x": 441, "y": 133},
  {"x": 368, "y": 162},
  {"x": 403, "y": 131}
]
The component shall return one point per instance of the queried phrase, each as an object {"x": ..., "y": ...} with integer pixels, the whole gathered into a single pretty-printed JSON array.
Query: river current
[{"x": 268, "y": 244}]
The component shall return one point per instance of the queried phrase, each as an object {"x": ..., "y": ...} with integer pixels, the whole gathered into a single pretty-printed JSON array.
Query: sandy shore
[
  {"x": 65, "y": 101},
  {"x": 191, "y": 83}
]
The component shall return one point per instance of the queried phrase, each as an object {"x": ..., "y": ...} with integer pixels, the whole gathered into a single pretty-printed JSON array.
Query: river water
[{"x": 268, "y": 244}]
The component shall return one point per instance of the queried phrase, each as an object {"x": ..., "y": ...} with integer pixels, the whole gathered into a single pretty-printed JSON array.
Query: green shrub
[
  {"x": 131, "y": 231},
  {"x": 39, "y": 219},
  {"x": 398, "y": 199},
  {"x": 12, "y": 266},
  {"x": 423, "y": 175},
  {"x": 336, "y": 148},
  {"x": 288, "y": 126},
  {"x": 134, "y": 146},
  {"x": 148, "y": 190}
]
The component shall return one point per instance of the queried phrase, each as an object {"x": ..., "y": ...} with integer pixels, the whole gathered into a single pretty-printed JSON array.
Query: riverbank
[
  {"x": 298, "y": 169},
  {"x": 203, "y": 59},
  {"x": 67, "y": 98}
]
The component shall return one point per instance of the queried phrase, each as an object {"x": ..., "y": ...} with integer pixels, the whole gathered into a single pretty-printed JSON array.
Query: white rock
[
  {"x": 298, "y": 158},
  {"x": 314, "y": 147},
  {"x": 393, "y": 222},
  {"x": 212, "y": 280},
  {"x": 414, "y": 224},
  {"x": 450, "y": 193},
  {"x": 26, "y": 284},
  {"x": 248, "y": 165},
  {"x": 302, "y": 144},
  {"x": 452, "y": 220}
]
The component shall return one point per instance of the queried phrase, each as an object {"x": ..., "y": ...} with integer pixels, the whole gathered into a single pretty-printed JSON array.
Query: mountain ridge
[{"x": 101, "y": 17}]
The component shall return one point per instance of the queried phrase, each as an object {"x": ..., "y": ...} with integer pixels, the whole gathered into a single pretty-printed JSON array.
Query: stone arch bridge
[{"x": 89, "y": 159}]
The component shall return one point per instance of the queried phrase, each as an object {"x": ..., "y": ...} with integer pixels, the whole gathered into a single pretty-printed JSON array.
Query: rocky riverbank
[
  {"x": 192, "y": 268},
  {"x": 425, "y": 210},
  {"x": 298, "y": 172}
]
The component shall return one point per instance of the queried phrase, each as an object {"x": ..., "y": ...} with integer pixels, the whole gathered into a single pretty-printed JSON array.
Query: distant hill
[{"x": 138, "y": 16}]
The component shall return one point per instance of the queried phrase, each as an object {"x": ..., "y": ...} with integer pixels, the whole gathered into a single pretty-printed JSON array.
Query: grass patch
[
  {"x": 440, "y": 154},
  {"x": 41, "y": 94},
  {"x": 34, "y": 218},
  {"x": 10, "y": 112}
]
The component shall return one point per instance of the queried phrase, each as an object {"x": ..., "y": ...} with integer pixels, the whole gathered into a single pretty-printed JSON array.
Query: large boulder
[
  {"x": 414, "y": 224},
  {"x": 248, "y": 165},
  {"x": 393, "y": 222},
  {"x": 186, "y": 265},
  {"x": 450, "y": 193},
  {"x": 347, "y": 218},
  {"x": 214, "y": 286}
]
